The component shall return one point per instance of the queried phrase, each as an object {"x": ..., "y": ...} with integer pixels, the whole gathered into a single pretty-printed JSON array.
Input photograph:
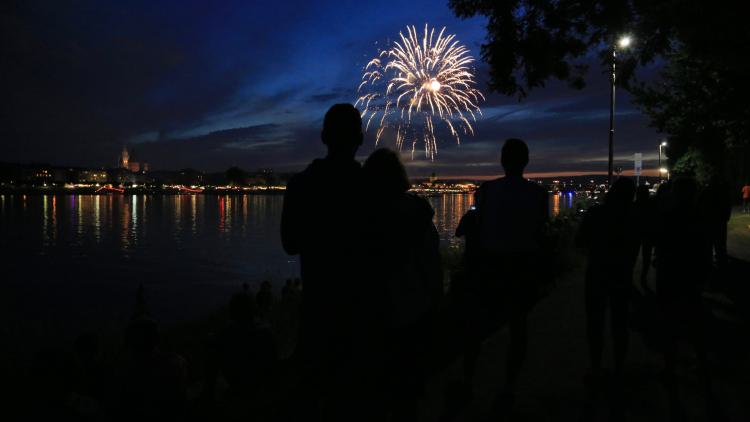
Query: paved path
[{"x": 551, "y": 385}]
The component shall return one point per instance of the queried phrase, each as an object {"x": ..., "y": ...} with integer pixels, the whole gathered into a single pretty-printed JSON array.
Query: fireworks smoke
[{"x": 415, "y": 84}]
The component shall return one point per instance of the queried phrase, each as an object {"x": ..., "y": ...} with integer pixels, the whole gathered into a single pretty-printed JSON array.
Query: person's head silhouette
[
  {"x": 514, "y": 157},
  {"x": 684, "y": 191},
  {"x": 342, "y": 131},
  {"x": 620, "y": 193},
  {"x": 385, "y": 174},
  {"x": 642, "y": 194}
]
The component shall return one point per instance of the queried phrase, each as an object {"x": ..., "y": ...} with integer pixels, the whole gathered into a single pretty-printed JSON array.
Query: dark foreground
[{"x": 100, "y": 376}]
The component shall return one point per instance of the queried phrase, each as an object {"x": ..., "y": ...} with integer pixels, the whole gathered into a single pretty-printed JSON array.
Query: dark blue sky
[{"x": 212, "y": 84}]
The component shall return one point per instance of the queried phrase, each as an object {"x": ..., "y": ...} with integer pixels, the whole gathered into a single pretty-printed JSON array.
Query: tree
[{"x": 699, "y": 100}]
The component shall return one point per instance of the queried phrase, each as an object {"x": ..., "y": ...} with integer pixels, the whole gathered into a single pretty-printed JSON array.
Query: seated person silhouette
[
  {"x": 244, "y": 351},
  {"x": 511, "y": 220},
  {"x": 321, "y": 222}
]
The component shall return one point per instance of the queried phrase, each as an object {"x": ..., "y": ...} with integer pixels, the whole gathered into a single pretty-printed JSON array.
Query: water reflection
[
  {"x": 192, "y": 246},
  {"x": 214, "y": 238},
  {"x": 193, "y": 214},
  {"x": 555, "y": 205},
  {"x": 561, "y": 201},
  {"x": 97, "y": 219},
  {"x": 449, "y": 209},
  {"x": 124, "y": 226}
]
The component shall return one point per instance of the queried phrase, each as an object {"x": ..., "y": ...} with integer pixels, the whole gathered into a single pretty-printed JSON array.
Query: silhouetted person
[
  {"x": 403, "y": 247},
  {"x": 512, "y": 216},
  {"x": 94, "y": 377},
  {"x": 322, "y": 222},
  {"x": 715, "y": 208},
  {"x": 644, "y": 211},
  {"x": 468, "y": 228},
  {"x": 152, "y": 382},
  {"x": 470, "y": 312},
  {"x": 684, "y": 262},
  {"x": 244, "y": 351},
  {"x": 264, "y": 299},
  {"x": 610, "y": 235},
  {"x": 287, "y": 292},
  {"x": 746, "y": 198}
]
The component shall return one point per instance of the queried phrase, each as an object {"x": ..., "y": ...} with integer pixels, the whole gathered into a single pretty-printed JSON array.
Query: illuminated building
[
  {"x": 124, "y": 158},
  {"x": 126, "y": 162},
  {"x": 92, "y": 176}
]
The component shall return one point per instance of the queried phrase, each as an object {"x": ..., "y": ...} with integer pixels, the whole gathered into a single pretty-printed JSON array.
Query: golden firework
[{"x": 416, "y": 83}]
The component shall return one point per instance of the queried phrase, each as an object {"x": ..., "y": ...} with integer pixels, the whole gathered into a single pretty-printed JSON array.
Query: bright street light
[
  {"x": 661, "y": 145},
  {"x": 663, "y": 170},
  {"x": 622, "y": 43}
]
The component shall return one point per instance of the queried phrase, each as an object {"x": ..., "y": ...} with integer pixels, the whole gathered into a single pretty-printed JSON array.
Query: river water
[{"x": 80, "y": 258}]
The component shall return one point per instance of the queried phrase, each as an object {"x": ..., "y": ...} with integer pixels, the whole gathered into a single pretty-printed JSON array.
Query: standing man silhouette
[
  {"x": 512, "y": 217},
  {"x": 321, "y": 222}
]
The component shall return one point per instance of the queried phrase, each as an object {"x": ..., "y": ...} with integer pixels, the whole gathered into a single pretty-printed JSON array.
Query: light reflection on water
[
  {"x": 190, "y": 249},
  {"x": 448, "y": 212},
  {"x": 243, "y": 227}
]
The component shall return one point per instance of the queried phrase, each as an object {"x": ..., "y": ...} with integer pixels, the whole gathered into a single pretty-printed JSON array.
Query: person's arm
[{"x": 290, "y": 218}]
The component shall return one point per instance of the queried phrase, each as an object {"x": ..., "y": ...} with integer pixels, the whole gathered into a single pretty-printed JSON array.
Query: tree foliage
[{"x": 700, "y": 97}]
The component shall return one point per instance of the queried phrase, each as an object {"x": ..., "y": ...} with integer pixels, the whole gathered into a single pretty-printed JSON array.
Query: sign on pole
[{"x": 638, "y": 167}]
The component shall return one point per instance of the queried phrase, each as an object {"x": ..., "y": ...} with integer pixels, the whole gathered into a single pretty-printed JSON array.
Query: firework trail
[{"x": 418, "y": 83}]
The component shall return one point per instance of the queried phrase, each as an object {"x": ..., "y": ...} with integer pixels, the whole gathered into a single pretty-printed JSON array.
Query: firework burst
[{"x": 416, "y": 84}]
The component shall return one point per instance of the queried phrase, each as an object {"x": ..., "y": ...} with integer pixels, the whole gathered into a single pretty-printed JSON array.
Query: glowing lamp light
[
  {"x": 664, "y": 143},
  {"x": 624, "y": 42},
  {"x": 663, "y": 170}
]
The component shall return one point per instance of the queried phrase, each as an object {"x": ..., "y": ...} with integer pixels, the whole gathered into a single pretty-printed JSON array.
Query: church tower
[{"x": 124, "y": 158}]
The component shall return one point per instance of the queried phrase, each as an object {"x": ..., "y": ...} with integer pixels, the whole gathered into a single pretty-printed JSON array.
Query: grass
[{"x": 738, "y": 235}]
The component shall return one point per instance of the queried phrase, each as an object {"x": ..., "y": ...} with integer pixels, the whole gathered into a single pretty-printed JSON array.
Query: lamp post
[
  {"x": 623, "y": 43},
  {"x": 661, "y": 145}
]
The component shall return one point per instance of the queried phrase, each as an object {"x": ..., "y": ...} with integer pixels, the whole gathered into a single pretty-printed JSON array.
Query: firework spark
[{"x": 416, "y": 84}]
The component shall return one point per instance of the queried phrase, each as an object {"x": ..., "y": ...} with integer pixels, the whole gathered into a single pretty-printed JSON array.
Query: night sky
[{"x": 209, "y": 85}]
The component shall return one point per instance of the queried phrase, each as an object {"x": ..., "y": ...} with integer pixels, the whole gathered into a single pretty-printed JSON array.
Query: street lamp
[
  {"x": 661, "y": 145},
  {"x": 663, "y": 171},
  {"x": 622, "y": 43}
]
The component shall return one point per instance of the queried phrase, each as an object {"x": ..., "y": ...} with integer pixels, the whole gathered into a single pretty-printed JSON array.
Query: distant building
[
  {"x": 38, "y": 174},
  {"x": 124, "y": 158},
  {"x": 122, "y": 176},
  {"x": 126, "y": 161},
  {"x": 92, "y": 176}
]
